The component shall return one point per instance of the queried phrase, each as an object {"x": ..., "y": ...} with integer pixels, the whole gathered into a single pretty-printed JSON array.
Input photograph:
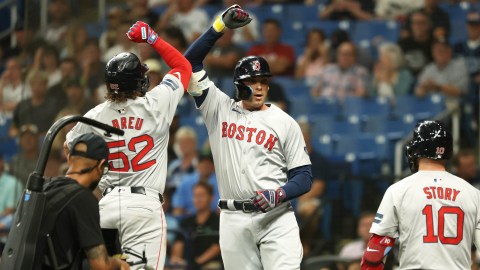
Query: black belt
[
  {"x": 245, "y": 206},
  {"x": 136, "y": 190}
]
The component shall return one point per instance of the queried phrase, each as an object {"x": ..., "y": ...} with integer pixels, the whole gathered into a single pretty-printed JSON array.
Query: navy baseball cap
[{"x": 97, "y": 148}]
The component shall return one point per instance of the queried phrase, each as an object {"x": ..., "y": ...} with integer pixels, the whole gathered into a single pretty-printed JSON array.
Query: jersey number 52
[
  {"x": 444, "y": 210},
  {"x": 133, "y": 164}
]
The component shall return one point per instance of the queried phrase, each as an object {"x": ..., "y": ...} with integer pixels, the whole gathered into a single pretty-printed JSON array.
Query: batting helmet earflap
[
  {"x": 125, "y": 73},
  {"x": 247, "y": 67},
  {"x": 431, "y": 139}
]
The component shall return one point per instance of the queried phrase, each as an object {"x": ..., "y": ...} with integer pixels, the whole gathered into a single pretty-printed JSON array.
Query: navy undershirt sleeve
[{"x": 299, "y": 182}]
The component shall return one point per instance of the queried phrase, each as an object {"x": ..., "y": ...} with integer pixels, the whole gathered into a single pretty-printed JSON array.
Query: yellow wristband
[{"x": 218, "y": 24}]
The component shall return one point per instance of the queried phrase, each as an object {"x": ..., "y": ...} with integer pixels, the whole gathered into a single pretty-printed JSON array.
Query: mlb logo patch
[
  {"x": 114, "y": 86},
  {"x": 256, "y": 65}
]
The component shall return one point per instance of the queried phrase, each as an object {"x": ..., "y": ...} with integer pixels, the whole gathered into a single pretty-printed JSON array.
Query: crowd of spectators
[{"x": 57, "y": 71}]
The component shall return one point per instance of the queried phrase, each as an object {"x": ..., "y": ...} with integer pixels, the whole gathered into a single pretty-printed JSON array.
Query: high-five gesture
[
  {"x": 233, "y": 17},
  {"x": 141, "y": 32}
]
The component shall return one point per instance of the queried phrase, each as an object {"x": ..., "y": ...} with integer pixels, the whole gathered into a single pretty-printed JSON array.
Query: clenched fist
[{"x": 141, "y": 32}]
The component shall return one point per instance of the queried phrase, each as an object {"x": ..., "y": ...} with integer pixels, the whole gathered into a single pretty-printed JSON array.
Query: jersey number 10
[
  {"x": 134, "y": 164},
  {"x": 431, "y": 237}
]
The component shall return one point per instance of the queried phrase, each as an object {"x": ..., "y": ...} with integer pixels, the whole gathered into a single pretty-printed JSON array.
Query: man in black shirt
[
  {"x": 78, "y": 225},
  {"x": 201, "y": 241}
]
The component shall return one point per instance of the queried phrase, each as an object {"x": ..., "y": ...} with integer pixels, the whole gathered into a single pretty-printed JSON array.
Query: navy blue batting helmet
[
  {"x": 247, "y": 67},
  {"x": 125, "y": 73},
  {"x": 431, "y": 139}
]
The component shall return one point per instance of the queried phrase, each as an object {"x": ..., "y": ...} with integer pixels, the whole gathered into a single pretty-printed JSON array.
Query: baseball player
[
  {"x": 260, "y": 159},
  {"x": 434, "y": 214},
  {"x": 132, "y": 190}
]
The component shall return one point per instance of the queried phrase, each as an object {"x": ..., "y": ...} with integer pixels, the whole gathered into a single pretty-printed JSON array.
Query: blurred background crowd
[{"x": 356, "y": 74}]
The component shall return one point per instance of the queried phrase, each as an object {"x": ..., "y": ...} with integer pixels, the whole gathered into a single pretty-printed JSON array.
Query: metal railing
[
  {"x": 453, "y": 114},
  {"x": 12, "y": 5}
]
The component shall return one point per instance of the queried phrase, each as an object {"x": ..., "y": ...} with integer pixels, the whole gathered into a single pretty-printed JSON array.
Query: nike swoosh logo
[{"x": 373, "y": 250}]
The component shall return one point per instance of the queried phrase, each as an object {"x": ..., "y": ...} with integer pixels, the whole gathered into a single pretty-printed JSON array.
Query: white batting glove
[{"x": 199, "y": 82}]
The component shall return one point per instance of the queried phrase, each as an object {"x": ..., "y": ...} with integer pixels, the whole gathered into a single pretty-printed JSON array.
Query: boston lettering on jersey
[
  {"x": 240, "y": 132},
  {"x": 443, "y": 193},
  {"x": 128, "y": 123}
]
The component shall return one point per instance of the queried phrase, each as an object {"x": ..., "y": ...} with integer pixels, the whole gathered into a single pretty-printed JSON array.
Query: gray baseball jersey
[
  {"x": 138, "y": 158},
  {"x": 435, "y": 216},
  {"x": 252, "y": 150}
]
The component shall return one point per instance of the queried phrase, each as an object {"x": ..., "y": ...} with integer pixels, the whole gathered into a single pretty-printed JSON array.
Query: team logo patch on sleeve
[
  {"x": 170, "y": 83},
  {"x": 378, "y": 218}
]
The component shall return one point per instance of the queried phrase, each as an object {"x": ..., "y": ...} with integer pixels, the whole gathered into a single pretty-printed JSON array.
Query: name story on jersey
[{"x": 241, "y": 133}]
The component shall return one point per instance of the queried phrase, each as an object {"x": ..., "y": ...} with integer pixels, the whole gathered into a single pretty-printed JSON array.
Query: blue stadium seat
[
  {"x": 324, "y": 106},
  {"x": 365, "y": 106},
  {"x": 323, "y": 144},
  {"x": 331, "y": 125},
  {"x": 292, "y": 87},
  {"x": 458, "y": 31},
  {"x": 420, "y": 108},
  {"x": 293, "y": 33},
  {"x": 196, "y": 122},
  {"x": 392, "y": 127},
  {"x": 302, "y": 12},
  {"x": 365, "y": 152},
  {"x": 328, "y": 27},
  {"x": 298, "y": 105},
  {"x": 375, "y": 32},
  {"x": 269, "y": 11},
  {"x": 456, "y": 11}
]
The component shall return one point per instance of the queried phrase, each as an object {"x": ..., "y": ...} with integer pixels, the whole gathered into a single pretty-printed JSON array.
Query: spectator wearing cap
[
  {"x": 77, "y": 230},
  {"x": 38, "y": 108},
  {"x": 182, "y": 200},
  {"x": 445, "y": 75},
  {"x": 469, "y": 50},
  {"x": 25, "y": 161}
]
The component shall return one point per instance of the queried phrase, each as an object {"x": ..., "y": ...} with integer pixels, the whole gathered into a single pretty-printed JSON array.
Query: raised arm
[
  {"x": 141, "y": 32},
  {"x": 233, "y": 17}
]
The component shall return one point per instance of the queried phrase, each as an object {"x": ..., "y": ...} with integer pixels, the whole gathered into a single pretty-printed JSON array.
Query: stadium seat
[
  {"x": 456, "y": 11},
  {"x": 392, "y": 127},
  {"x": 302, "y": 12},
  {"x": 269, "y": 11},
  {"x": 458, "y": 31},
  {"x": 333, "y": 126},
  {"x": 375, "y": 32},
  {"x": 328, "y": 27},
  {"x": 293, "y": 29},
  {"x": 420, "y": 108},
  {"x": 323, "y": 144},
  {"x": 323, "y": 106},
  {"x": 196, "y": 122},
  {"x": 293, "y": 88},
  {"x": 365, "y": 106}
]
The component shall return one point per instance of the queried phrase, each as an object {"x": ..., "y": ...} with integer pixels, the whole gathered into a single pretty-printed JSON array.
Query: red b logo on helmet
[{"x": 256, "y": 65}]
